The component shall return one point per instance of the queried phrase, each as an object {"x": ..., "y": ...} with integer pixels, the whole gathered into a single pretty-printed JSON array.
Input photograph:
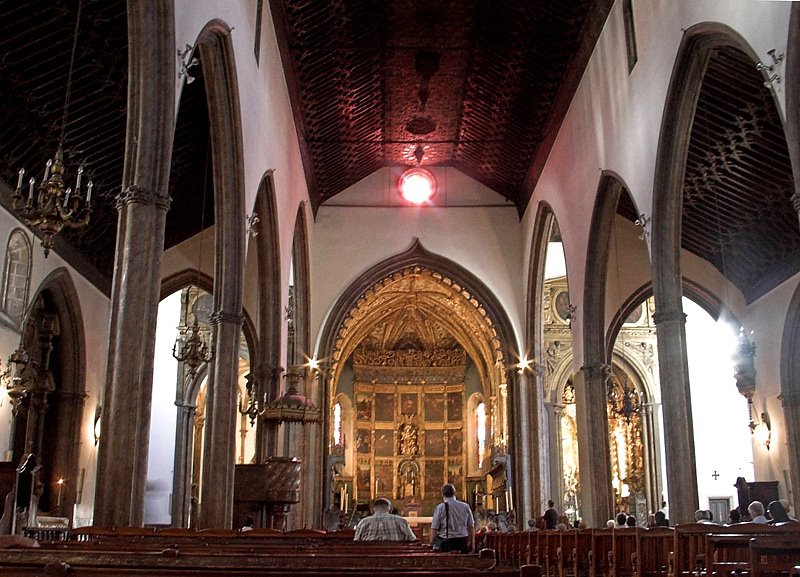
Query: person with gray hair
[
  {"x": 382, "y": 525},
  {"x": 756, "y": 510},
  {"x": 452, "y": 526}
]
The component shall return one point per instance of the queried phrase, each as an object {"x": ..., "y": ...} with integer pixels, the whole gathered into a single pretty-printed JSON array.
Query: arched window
[
  {"x": 17, "y": 275},
  {"x": 480, "y": 416}
]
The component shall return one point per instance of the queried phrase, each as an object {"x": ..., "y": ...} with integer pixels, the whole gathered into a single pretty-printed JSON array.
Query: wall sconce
[
  {"x": 98, "y": 417},
  {"x": 762, "y": 432}
]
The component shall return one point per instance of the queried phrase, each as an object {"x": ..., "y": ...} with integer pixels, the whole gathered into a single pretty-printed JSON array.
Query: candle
[
  {"x": 341, "y": 498},
  {"x": 89, "y": 192},
  {"x": 47, "y": 169},
  {"x": 78, "y": 183},
  {"x": 66, "y": 197},
  {"x": 60, "y": 490},
  {"x": 30, "y": 190},
  {"x": 510, "y": 499},
  {"x": 19, "y": 180}
]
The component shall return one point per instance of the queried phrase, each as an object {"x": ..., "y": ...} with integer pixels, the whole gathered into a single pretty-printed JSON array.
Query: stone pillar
[
  {"x": 557, "y": 465},
  {"x": 181, "y": 476},
  {"x": 142, "y": 206},
  {"x": 791, "y": 417},
  {"x": 219, "y": 451},
  {"x": 597, "y": 502},
  {"x": 676, "y": 401},
  {"x": 523, "y": 448}
]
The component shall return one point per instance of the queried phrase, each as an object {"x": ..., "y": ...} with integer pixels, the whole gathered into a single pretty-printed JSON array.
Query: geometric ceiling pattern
[
  {"x": 737, "y": 209},
  {"x": 478, "y": 85}
]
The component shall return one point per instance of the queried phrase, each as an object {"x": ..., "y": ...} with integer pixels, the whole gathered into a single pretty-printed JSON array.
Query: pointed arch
[
  {"x": 218, "y": 62},
  {"x": 465, "y": 290},
  {"x": 59, "y": 293},
  {"x": 16, "y": 275}
]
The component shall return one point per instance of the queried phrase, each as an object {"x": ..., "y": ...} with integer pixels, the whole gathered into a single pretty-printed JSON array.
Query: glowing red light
[{"x": 417, "y": 185}]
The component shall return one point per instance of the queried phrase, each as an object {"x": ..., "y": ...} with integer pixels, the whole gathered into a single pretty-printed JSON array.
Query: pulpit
[{"x": 266, "y": 491}]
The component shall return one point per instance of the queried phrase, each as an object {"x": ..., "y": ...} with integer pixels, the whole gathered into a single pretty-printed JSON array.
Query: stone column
[
  {"x": 142, "y": 206},
  {"x": 523, "y": 448},
  {"x": 676, "y": 401},
  {"x": 556, "y": 464},
  {"x": 791, "y": 417},
  {"x": 593, "y": 449},
  {"x": 219, "y": 451},
  {"x": 181, "y": 476}
]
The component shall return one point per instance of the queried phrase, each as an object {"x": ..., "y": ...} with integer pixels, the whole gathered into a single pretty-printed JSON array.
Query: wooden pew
[
  {"x": 175, "y": 563},
  {"x": 654, "y": 546},
  {"x": 601, "y": 558},
  {"x": 774, "y": 555}
]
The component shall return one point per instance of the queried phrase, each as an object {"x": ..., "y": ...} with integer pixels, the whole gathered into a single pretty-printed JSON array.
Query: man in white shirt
[{"x": 453, "y": 523}]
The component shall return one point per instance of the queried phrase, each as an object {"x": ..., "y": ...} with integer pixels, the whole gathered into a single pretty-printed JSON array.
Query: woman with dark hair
[{"x": 777, "y": 512}]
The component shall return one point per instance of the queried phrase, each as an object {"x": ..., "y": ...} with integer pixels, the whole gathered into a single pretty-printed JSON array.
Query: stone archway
[
  {"x": 215, "y": 49},
  {"x": 390, "y": 300},
  {"x": 54, "y": 338}
]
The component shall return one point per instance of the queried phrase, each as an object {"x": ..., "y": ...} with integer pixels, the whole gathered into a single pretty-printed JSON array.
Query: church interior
[{"x": 267, "y": 261}]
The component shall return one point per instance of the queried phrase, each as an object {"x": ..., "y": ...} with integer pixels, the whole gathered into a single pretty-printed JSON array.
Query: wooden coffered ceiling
[{"x": 479, "y": 85}]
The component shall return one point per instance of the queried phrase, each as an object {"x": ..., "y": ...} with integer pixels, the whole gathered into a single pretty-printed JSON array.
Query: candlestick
[
  {"x": 341, "y": 498},
  {"x": 89, "y": 192},
  {"x": 19, "y": 180},
  {"x": 30, "y": 189},
  {"x": 78, "y": 183},
  {"x": 510, "y": 499},
  {"x": 66, "y": 197},
  {"x": 47, "y": 170}
]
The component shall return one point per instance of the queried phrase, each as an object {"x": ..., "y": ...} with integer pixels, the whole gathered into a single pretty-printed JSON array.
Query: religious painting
[
  {"x": 561, "y": 305},
  {"x": 363, "y": 441},
  {"x": 383, "y": 443},
  {"x": 454, "y": 406},
  {"x": 408, "y": 479},
  {"x": 455, "y": 475},
  {"x": 434, "y": 407},
  {"x": 384, "y": 407},
  {"x": 434, "y": 477},
  {"x": 454, "y": 442},
  {"x": 363, "y": 478},
  {"x": 635, "y": 316},
  {"x": 384, "y": 479},
  {"x": 434, "y": 443},
  {"x": 408, "y": 404},
  {"x": 364, "y": 407}
]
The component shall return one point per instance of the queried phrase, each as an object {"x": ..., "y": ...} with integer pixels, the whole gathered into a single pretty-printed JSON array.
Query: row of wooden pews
[
  {"x": 133, "y": 552},
  {"x": 689, "y": 550}
]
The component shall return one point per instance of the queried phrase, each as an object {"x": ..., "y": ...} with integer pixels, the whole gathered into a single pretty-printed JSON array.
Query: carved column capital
[
  {"x": 669, "y": 316},
  {"x": 223, "y": 317},
  {"x": 790, "y": 399},
  {"x": 134, "y": 194}
]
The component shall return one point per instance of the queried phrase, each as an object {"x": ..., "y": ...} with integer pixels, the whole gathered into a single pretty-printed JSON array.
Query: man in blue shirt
[{"x": 453, "y": 523}]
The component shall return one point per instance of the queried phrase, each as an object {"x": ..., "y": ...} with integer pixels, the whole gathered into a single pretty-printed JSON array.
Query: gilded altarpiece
[{"x": 410, "y": 423}]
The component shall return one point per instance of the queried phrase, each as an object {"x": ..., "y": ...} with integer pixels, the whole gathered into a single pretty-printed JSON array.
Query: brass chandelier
[{"x": 52, "y": 205}]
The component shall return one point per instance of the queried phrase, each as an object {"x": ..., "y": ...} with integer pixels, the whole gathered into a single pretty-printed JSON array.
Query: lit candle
[
  {"x": 47, "y": 169},
  {"x": 60, "y": 490},
  {"x": 89, "y": 192},
  {"x": 30, "y": 189},
  {"x": 78, "y": 183},
  {"x": 19, "y": 180},
  {"x": 341, "y": 498},
  {"x": 510, "y": 499},
  {"x": 66, "y": 197}
]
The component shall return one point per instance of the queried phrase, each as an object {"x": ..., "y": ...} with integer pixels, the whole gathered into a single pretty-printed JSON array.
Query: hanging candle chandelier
[{"x": 52, "y": 205}]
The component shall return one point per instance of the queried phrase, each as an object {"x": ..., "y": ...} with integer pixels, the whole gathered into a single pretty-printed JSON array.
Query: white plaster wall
[
  {"x": 484, "y": 239},
  {"x": 94, "y": 310},
  {"x": 766, "y": 319},
  {"x": 614, "y": 120}
]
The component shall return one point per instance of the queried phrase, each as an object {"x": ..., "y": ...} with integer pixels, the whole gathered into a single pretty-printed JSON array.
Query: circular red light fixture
[{"x": 417, "y": 185}]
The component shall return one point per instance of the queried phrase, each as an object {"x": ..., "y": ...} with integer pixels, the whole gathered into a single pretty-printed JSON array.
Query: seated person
[
  {"x": 382, "y": 525},
  {"x": 756, "y": 510}
]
